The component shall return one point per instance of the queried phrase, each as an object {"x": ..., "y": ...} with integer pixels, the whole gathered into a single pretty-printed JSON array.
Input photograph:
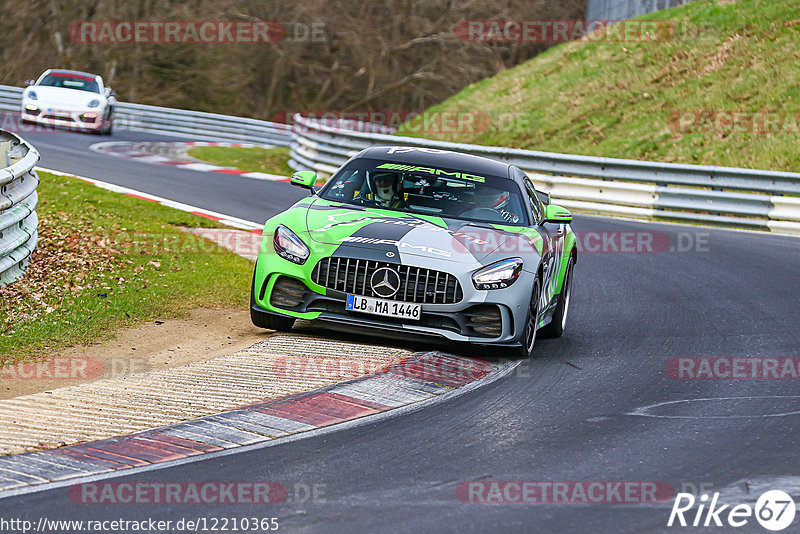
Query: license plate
[{"x": 386, "y": 308}]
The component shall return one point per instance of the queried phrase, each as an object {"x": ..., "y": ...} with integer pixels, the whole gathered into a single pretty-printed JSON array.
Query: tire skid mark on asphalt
[{"x": 400, "y": 382}]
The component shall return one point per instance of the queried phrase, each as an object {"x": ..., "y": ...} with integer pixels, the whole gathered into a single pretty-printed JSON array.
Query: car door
[{"x": 552, "y": 247}]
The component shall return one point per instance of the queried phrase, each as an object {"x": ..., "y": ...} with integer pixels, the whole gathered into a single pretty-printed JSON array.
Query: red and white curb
[
  {"x": 228, "y": 220},
  {"x": 416, "y": 379},
  {"x": 142, "y": 152}
]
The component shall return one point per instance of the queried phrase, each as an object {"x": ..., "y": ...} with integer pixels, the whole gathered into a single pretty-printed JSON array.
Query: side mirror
[
  {"x": 28, "y": 83},
  {"x": 305, "y": 179},
  {"x": 557, "y": 214},
  {"x": 109, "y": 92}
]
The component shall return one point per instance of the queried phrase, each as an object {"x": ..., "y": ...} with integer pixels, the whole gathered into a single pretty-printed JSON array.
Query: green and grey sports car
[{"x": 419, "y": 242}]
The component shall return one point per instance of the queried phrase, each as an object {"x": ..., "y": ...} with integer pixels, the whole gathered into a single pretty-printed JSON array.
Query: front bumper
[
  {"x": 483, "y": 317},
  {"x": 70, "y": 119}
]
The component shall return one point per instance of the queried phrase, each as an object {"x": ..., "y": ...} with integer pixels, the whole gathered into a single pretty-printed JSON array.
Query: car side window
[{"x": 536, "y": 206}]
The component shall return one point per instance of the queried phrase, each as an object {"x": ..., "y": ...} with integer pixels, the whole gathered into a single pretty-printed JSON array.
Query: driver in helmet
[
  {"x": 495, "y": 199},
  {"x": 384, "y": 190}
]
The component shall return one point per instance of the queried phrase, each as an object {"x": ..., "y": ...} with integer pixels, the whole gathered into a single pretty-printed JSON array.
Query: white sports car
[{"x": 70, "y": 99}]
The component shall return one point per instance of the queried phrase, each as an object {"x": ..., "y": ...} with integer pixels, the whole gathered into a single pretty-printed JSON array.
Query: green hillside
[{"x": 655, "y": 100}]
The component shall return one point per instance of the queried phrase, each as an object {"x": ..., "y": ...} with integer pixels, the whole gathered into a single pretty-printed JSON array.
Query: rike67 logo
[{"x": 774, "y": 510}]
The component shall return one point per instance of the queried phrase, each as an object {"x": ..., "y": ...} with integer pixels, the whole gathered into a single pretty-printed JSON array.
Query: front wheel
[
  {"x": 109, "y": 128},
  {"x": 266, "y": 320},
  {"x": 271, "y": 322},
  {"x": 559, "y": 321},
  {"x": 528, "y": 339}
]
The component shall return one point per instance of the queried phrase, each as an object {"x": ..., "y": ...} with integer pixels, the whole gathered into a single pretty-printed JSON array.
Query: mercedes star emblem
[{"x": 385, "y": 282}]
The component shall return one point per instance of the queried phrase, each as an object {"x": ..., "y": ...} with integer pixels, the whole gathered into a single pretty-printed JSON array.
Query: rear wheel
[
  {"x": 528, "y": 339},
  {"x": 559, "y": 322}
]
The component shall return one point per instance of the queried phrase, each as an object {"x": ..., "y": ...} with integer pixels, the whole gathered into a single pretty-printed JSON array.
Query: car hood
[
  {"x": 62, "y": 98},
  {"x": 389, "y": 233}
]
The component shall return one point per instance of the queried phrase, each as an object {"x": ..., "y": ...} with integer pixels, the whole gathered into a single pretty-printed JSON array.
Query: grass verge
[
  {"x": 106, "y": 261},
  {"x": 653, "y": 100},
  {"x": 269, "y": 160}
]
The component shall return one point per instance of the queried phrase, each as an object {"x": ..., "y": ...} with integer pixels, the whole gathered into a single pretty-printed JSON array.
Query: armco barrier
[
  {"x": 18, "y": 198},
  {"x": 180, "y": 122},
  {"x": 726, "y": 196}
]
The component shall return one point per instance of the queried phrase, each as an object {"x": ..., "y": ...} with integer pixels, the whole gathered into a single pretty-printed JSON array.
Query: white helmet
[
  {"x": 383, "y": 185},
  {"x": 489, "y": 197}
]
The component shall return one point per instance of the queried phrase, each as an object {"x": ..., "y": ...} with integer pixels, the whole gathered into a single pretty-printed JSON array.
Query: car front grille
[
  {"x": 58, "y": 117},
  {"x": 417, "y": 284}
]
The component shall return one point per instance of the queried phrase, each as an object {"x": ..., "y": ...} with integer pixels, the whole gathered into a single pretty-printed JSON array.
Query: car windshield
[
  {"x": 70, "y": 81},
  {"x": 452, "y": 193}
]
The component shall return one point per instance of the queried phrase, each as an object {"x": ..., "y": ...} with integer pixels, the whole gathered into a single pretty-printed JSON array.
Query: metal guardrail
[
  {"x": 18, "y": 199},
  {"x": 626, "y": 9},
  {"x": 198, "y": 125},
  {"x": 725, "y": 196}
]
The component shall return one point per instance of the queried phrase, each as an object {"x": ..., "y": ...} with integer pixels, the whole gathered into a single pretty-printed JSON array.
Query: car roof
[
  {"x": 438, "y": 158},
  {"x": 65, "y": 71}
]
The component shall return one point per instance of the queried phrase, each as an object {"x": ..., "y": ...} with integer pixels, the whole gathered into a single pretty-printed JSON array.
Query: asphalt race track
[
  {"x": 590, "y": 407},
  {"x": 69, "y": 152}
]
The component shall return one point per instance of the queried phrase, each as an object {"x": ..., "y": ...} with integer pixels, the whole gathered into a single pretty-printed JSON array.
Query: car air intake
[
  {"x": 288, "y": 293},
  {"x": 484, "y": 320},
  {"x": 419, "y": 285}
]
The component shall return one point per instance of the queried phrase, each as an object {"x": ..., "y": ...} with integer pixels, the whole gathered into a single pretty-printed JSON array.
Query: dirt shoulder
[{"x": 158, "y": 344}]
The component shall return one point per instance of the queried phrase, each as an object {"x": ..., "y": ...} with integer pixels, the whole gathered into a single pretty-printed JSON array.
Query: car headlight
[
  {"x": 32, "y": 95},
  {"x": 289, "y": 246},
  {"x": 94, "y": 103},
  {"x": 498, "y": 275}
]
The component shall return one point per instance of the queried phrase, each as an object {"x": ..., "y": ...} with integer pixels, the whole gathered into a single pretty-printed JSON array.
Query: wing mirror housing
[
  {"x": 305, "y": 179},
  {"x": 28, "y": 83},
  {"x": 556, "y": 214}
]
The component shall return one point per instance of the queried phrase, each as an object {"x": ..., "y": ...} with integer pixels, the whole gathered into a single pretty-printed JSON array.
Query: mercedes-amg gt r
[{"x": 406, "y": 241}]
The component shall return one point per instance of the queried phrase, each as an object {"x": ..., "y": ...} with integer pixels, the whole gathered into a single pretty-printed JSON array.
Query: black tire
[
  {"x": 559, "y": 321},
  {"x": 109, "y": 127},
  {"x": 262, "y": 319},
  {"x": 271, "y": 322},
  {"x": 528, "y": 339}
]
